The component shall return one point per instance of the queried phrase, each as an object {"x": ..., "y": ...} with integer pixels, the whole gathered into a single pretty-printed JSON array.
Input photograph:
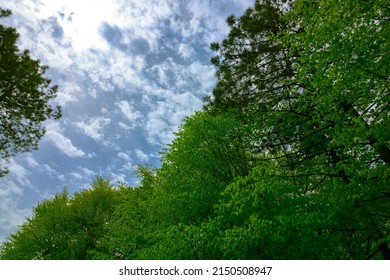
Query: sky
[{"x": 128, "y": 72}]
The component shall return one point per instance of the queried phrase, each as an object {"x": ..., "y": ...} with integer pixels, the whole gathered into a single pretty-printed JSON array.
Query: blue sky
[{"x": 128, "y": 73}]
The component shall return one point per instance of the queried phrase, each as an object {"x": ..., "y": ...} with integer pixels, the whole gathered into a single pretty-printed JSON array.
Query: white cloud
[
  {"x": 64, "y": 144},
  {"x": 18, "y": 173},
  {"x": 124, "y": 156},
  {"x": 30, "y": 160},
  {"x": 11, "y": 214},
  {"x": 88, "y": 172},
  {"x": 80, "y": 20},
  {"x": 66, "y": 92},
  {"x": 128, "y": 111},
  {"x": 99, "y": 77},
  {"x": 10, "y": 187},
  {"x": 64, "y": 97},
  {"x": 128, "y": 166},
  {"x": 185, "y": 51},
  {"x": 203, "y": 73},
  {"x": 93, "y": 128},
  {"x": 81, "y": 51},
  {"x": 77, "y": 175},
  {"x": 124, "y": 126},
  {"x": 159, "y": 71},
  {"x": 83, "y": 173},
  {"x": 188, "y": 103},
  {"x": 158, "y": 131},
  {"x": 141, "y": 155},
  {"x": 146, "y": 100},
  {"x": 43, "y": 168},
  {"x": 117, "y": 177},
  {"x": 49, "y": 170},
  {"x": 166, "y": 115},
  {"x": 11, "y": 192}
]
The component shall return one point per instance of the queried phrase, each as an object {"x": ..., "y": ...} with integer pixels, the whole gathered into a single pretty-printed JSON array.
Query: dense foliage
[
  {"x": 288, "y": 160},
  {"x": 24, "y": 97}
]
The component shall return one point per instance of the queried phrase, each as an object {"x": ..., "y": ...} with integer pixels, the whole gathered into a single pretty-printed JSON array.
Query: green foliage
[
  {"x": 251, "y": 63},
  {"x": 128, "y": 230},
  {"x": 63, "y": 227},
  {"x": 24, "y": 97},
  {"x": 207, "y": 154},
  {"x": 91, "y": 210},
  {"x": 265, "y": 216},
  {"x": 44, "y": 235},
  {"x": 184, "y": 242}
]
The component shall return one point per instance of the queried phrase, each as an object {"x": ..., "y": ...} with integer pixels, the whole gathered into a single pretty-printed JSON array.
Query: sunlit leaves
[{"x": 207, "y": 154}]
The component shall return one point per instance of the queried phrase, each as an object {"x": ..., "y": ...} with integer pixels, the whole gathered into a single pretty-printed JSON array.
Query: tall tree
[
  {"x": 315, "y": 82},
  {"x": 129, "y": 230},
  {"x": 207, "y": 154},
  {"x": 342, "y": 66},
  {"x": 24, "y": 97},
  {"x": 251, "y": 63}
]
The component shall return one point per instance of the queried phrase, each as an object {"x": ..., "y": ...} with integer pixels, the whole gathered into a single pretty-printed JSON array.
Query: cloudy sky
[{"x": 128, "y": 72}]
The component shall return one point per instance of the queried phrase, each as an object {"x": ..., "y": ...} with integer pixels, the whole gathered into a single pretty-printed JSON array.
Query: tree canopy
[
  {"x": 24, "y": 97},
  {"x": 289, "y": 159}
]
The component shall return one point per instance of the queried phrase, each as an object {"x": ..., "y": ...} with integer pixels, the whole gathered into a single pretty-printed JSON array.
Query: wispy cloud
[
  {"x": 124, "y": 156},
  {"x": 93, "y": 128},
  {"x": 64, "y": 144},
  {"x": 12, "y": 189},
  {"x": 32, "y": 163},
  {"x": 185, "y": 51},
  {"x": 129, "y": 112},
  {"x": 67, "y": 92},
  {"x": 141, "y": 155}
]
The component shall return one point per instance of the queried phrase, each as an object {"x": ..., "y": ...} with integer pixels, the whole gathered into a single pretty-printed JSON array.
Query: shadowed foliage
[{"x": 25, "y": 96}]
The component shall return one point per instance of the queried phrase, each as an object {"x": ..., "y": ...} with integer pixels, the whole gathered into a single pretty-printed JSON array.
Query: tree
[
  {"x": 251, "y": 63},
  {"x": 63, "y": 227},
  {"x": 342, "y": 67},
  {"x": 90, "y": 210},
  {"x": 46, "y": 235},
  {"x": 24, "y": 97},
  {"x": 315, "y": 83},
  {"x": 207, "y": 154},
  {"x": 129, "y": 230}
]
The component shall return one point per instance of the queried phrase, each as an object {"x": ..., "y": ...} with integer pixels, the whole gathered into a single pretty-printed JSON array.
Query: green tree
[
  {"x": 207, "y": 154},
  {"x": 315, "y": 84},
  {"x": 24, "y": 97},
  {"x": 266, "y": 216},
  {"x": 251, "y": 62},
  {"x": 63, "y": 227},
  {"x": 46, "y": 235},
  {"x": 129, "y": 230},
  {"x": 342, "y": 66},
  {"x": 91, "y": 209},
  {"x": 184, "y": 242}
]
